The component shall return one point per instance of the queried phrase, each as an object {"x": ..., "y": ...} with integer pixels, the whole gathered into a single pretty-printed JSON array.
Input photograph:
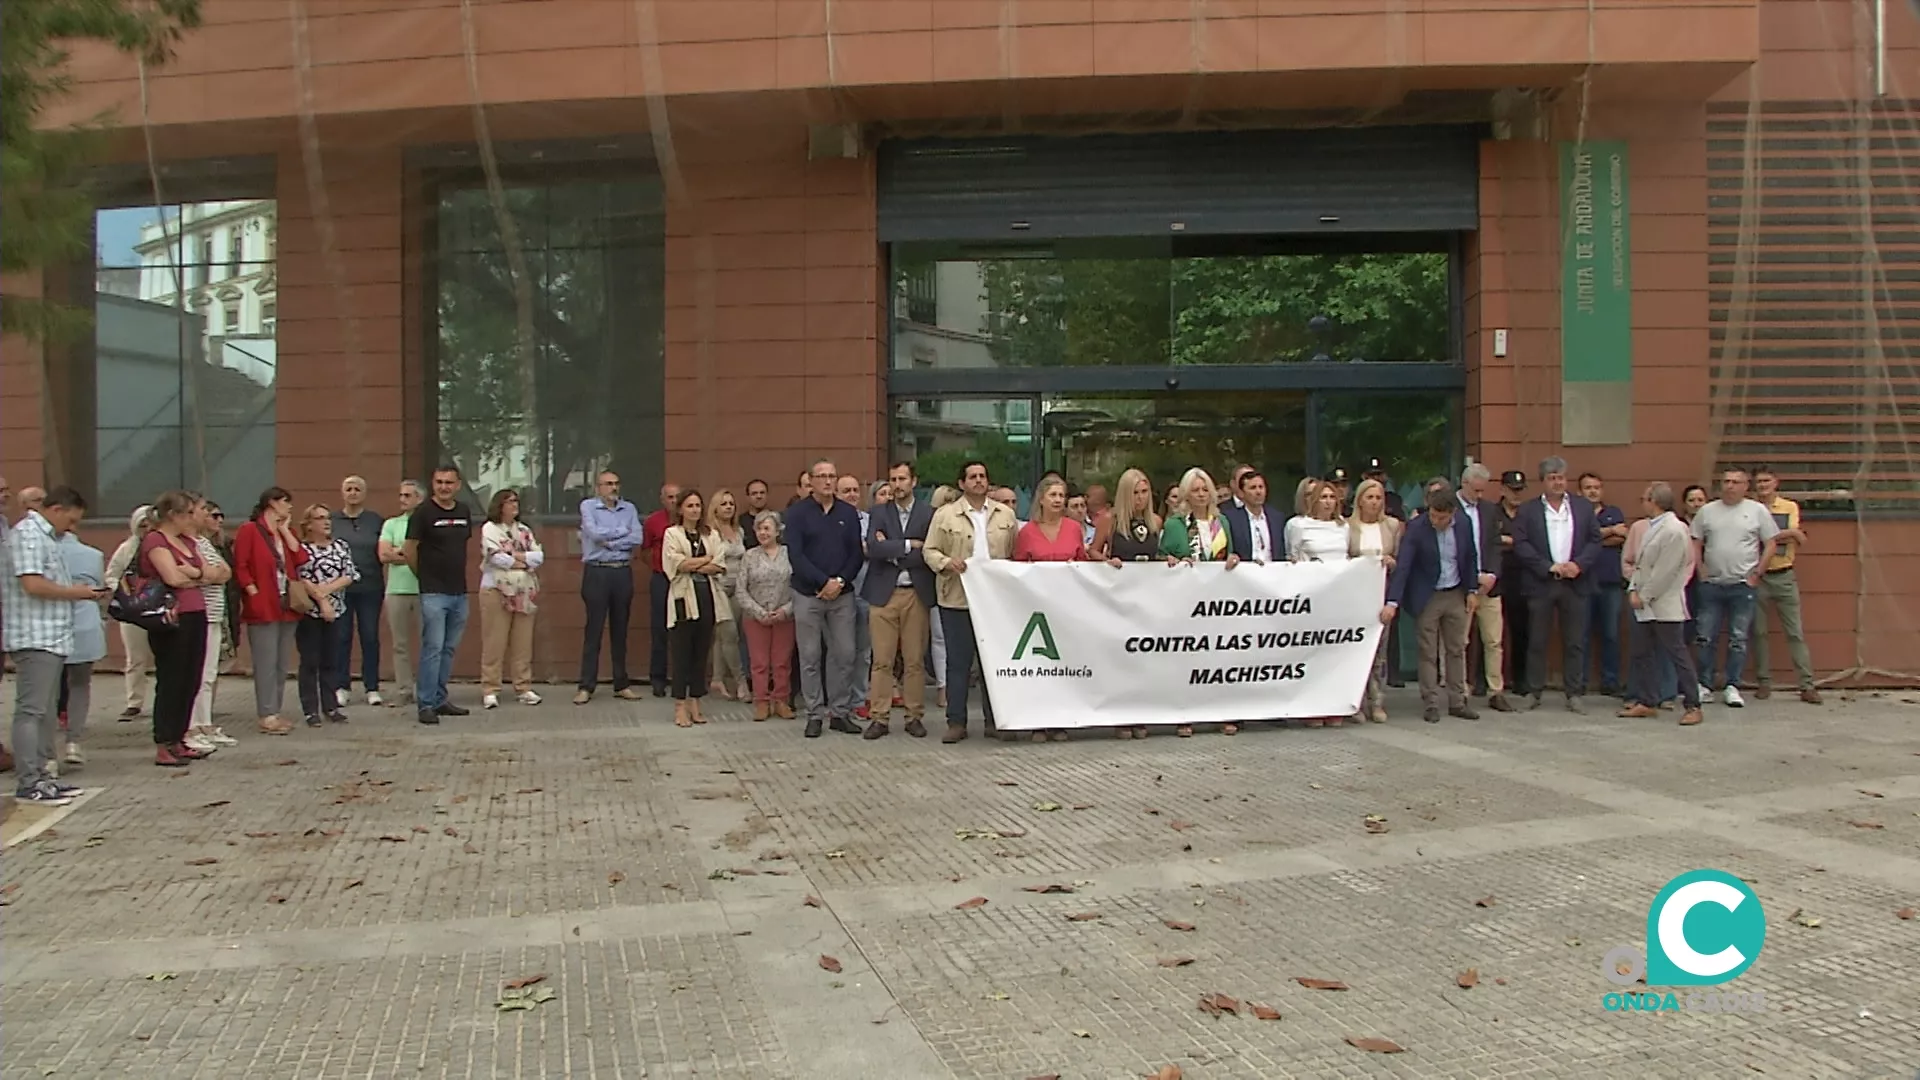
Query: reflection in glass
[
  {"x": 184, "y": 348},
  {"x": 1413, "y": 435},
  {"x": 1093, "y": 438},
  {"x": 590, "y": 395},
  {"x": 939, "y": 436},
  {"x": 1127, "y": 303}
]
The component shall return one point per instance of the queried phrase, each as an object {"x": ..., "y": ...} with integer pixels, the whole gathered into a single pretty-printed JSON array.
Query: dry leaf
[
  {"x": 1083, "y": 806},
  {"x": 217, "y": 803},
  {"x": 1215, "y": 1004},
  {"x": 1179, "y": 826},
  {"x": 394, "y": 838},
  {"x": 616, "y": 878},
  {"x": 976, "y": 902},
  {"x": 1175, "y": 961},
  {"x": 829, "y": 963},
  {"x": 1866, "y": 825},
  {"x": 1175, "y": 924},
  {"x": 451, "y": 831},
  {"x": 421, "y": 829},
  {"x": 528, "y": 791},
  {"x": 354, "y": 884},
  {"x": 1904, "y": 913},
  {"x": 523, "y": 981},
  {"x": 1083, "y": 916},
  {"x": 1320, "y": 984},
  {"x": 276, "y": 899},
  {"x": 460, "y": 798},
  {"x": 1265, "y": 1012},
  {"x": 1042, "y": 1076},
  {"x": 1870, "y": 794},
  {"x": 289, "y": 761},
  {"x": 1375, "y": 824},
  {"x": 1008, "y": 783},
  {"x": 1046, "y": 888},
  {"x": 1046, "y": 807},
  {"x": 1500, "y": 982},
  {"x": 1485, "y": 901},
  {"x": 332, "y": 832},
  {"x": 469, "y": 848},
  {"x": 261, "y": 835},
  {"x": 1082, "y": 1033},
  {"x": 1468, "y": 979},
  {"x": 1374, "y": 1045},
  {"x": 204, "y": 860},
  {"x": 1811, "y": 922},
  {"x": 1010, "y": 834},
  {"x": 811, "y": 901}
]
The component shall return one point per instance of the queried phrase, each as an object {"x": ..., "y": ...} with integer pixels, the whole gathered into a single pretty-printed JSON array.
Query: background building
[{"x": 711, "y": 241}]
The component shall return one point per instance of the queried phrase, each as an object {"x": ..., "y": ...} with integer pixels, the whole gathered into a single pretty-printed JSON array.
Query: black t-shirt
[{"x": 443, "y": 534}]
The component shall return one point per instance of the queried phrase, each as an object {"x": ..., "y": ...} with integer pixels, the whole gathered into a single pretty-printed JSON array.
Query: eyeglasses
[{"x": 218, "y": 516}]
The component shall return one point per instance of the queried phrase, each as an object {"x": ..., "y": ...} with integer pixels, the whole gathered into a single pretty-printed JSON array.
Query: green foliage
[
  {"x": 1008, "y": 462},
  {"x": 45, "y": 214}
]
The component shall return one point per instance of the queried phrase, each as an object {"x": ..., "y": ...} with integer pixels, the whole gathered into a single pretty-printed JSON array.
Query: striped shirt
[
  {"x": 216, "y": 595},
  {"x": 31, "y": 622}
]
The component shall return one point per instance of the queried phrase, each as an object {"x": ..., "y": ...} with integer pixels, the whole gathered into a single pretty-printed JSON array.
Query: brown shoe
[
  {"x": 1691, "y": 718},
  {"x": 1810, "y": 696},
  {"x": 916, "y": 729},
  {"x": 1637, "y": 711},
  {"x": 1763, "y": 692},
  {"x": 955, "y": 732},
  {"x": 629, "y": 694},
  {"x": 876, "y": 729},
  {"x": 273, "y": 725},
  {"x": 581, "y": 697},
  {"x": 783, "y": 710},
  {"x": 760, "y": 711}
]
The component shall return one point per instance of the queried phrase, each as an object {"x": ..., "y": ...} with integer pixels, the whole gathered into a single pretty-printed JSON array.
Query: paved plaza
[{"x": 350, "y": 902}]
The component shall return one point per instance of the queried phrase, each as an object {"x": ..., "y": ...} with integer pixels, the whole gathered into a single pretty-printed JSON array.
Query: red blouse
[{"x": 1032, "y": 545}]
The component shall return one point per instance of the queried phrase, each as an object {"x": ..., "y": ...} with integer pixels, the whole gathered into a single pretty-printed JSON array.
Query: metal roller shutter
[{"x": 1387, "y": 179}]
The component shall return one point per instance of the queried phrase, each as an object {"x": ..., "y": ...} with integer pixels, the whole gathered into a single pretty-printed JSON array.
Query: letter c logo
[{"x": 1705, "y": 928}]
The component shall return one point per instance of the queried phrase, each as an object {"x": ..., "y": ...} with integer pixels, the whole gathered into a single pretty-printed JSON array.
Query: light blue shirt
[
  {"x": 87, "y": 566},
  {"x": 608, "y": 535},
  {"x": 1449, "y": 559}
]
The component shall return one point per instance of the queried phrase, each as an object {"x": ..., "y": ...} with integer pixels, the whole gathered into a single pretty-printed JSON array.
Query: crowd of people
[{"x": 848, "y": 604}]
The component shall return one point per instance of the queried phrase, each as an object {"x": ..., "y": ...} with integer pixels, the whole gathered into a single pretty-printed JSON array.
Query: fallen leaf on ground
[
  {"x": 978, "y": 901},
  {"x": 1082, "y": 1033},
  {"x": 1374, "y": 823},
  {"x": 96, "y": 841},
  {"x": 1010, "y": 834},
  {"x": 1083, "y": 916},
  {"x": 999, "y": 995},
  {"x": 1904, "y": 913},
  {"x": 521, "y": 1000},
  {"x": 421, "y": 829},
  {"x": 451, "y": 831},
  {"x": 354, "y": 884},
  {"x": 1265, "y": 1012},
  {"x": 1320, "y": 984},
  {"x": 1866, "y": 825},
  {"x": 260, "y": 835},
  {"x": 975, "y": 834},
  {"x": 1083, "y": 806},
  {"x": 1375, "y": 1045},
  {"x": 1485, "y": 901},
  {"x": 616, "y": 878},
  {"x": 1008, "y": 783},
  {"x": 217, "y": 803},
  {"x": 1174, "y": 961},
  {"x": 1179, "y": 826},
  {"x": 1045, "y": 889},
  {"x": 1468, "y": 979},
  {"x": 523, "y": 981},
  {"x": 1870, "y": 794},
  {"x": 1811, "y": 922},
  {"x": 469, "y": 848},
  {"x": 460, "y": 798},
  {"x": 528, "y": 791},
  {"x": 811, "y": 901},
  {"x": 204, "y": 860},
  {"x": 1572, "y": 943},
  {"x": 1500, "y": 982},
  {"x": 836, "y": 854},
  {"x": 828, "y": 963},
  {"x": 1175, "y": 924},
  {"x": 394, "y": 838},
  {"x": 276, "y": 898},
  {"x": 1215, "y": 1004},
  {"x": 162, "y": 976},
  {"x": 1042, "y": 1076},
  {"x": 720, "y": 875},
  {"x": 289, "y": 761},
  {"x": 1046, "y": 807}
]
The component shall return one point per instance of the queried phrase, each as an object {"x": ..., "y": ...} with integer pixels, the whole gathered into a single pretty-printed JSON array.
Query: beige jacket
[
  {"x": 950, "y": 537},
  {"x": 676, "y": 549},
  {"x": 1391, "y": 530},
  {"x": 1660, "y": 569}
]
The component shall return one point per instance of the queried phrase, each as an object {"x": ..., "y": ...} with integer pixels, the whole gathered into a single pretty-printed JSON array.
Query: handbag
[
  {"x": 298, "y": 597},
  {"x": 148, "y": 603}
]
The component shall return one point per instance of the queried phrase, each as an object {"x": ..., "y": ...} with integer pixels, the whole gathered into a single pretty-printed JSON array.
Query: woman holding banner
[
  {"x": 1373, "y": 534},
  {"x": 1198, "y": 536},
  {"x": 1128, "y": 532},
  {"x": 1319, "y": 534},
  {"x": 1050, "y": 537}
]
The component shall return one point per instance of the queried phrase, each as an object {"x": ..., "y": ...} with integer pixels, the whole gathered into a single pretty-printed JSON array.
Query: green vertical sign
[{"x": 1596, "y": 294}]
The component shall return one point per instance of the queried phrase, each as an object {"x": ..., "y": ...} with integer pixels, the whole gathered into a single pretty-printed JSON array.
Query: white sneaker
[
  {"x": 340, "y": 697},
  {"x": 490, "y": 701},
  {"x": 528, "y": 697},
  {"x": 1731, "y": 695},
  {"x": 1705, "y": 693},
  {"x": 219, "y": 737},
  {"x": 74, "y": 755},
  {"x": 197, "y": 740},
  {"x": 374, "y": 698},
  {"x": 53, "y": 769}
]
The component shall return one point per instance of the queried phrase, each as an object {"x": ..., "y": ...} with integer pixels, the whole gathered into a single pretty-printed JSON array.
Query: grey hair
[
  {"x": 1552, "y": 465},
  {"x": 767, "y": 515},
  {"x": 877, "y": 488},
  {"x": 417, "y": 486},
  {"x": 1475, "y": 473},
  {"x": 1660, "y": 494}
]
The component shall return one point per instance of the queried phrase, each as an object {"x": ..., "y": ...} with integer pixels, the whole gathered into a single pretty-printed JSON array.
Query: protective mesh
[{"x": 574, "y": 244}]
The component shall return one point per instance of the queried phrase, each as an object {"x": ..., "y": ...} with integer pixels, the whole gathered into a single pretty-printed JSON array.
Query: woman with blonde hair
[
  {"x": 1051, "y": 536},
  {"x": 1199, "y": 535},
  {"x": 1373, "y": 534},
  {"x": 723, "y": 520},
  {"x": 1319, "y": 534},
  {"x": 510, "y": 559},
  {"x": 327, "y": 570},
  {"x": 1129, "y": 532}
]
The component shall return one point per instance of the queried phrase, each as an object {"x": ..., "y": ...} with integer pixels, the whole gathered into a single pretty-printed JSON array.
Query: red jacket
[{"x": 254, "y": 570}]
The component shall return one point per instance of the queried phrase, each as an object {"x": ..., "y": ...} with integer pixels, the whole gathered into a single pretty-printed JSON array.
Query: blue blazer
[
  {"x": 1240, "y": 531},
  {"x": 1531, "y": 548},
  {"x": 1416, "y": 569},
  {"x": 886, "y": 558}
]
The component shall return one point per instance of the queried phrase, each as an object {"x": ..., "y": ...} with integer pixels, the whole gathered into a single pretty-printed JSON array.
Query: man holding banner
[
  {"x": 1436, "y": 576},
  {"x": 972, "y": 530}
]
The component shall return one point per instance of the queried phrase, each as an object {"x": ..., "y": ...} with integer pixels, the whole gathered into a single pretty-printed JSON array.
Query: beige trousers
[
  {"x": 506, "y": 641},
  {"x": 898, "y": 628}
]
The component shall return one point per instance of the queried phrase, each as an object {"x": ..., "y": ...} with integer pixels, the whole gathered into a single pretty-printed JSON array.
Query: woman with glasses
[
  {"x": 202, "y": 734},
  {"x": 327, "y": 571}
]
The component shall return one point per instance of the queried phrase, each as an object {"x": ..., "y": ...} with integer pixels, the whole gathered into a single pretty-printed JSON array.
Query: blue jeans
[
  {"x": 1603, "y": 621},
  {"x": 443, "y": 618},
  {"x": 1721, "y": 605},
  {"x": 363, "y": 615}
]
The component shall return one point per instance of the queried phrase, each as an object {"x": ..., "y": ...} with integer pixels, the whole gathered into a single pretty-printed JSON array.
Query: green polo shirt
[{"x": 400, "y": 577}]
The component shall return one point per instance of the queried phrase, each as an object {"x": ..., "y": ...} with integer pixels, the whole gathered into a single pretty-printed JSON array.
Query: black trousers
[
  {"x": 1671, "y": 640},
  {"x": 1568, "y": 601},
  {"x": 1517, "y": 620},
  {"x": 608, "y": 594},
  {"x": 688, "y": 644},
  {"x": 179, "y": 652},
  {"x": 657, "y": 625},
  {"x": 316, "y": 639}
]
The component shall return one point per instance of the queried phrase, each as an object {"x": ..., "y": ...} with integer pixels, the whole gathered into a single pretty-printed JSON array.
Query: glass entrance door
[{"x": 1093, "y": 438}]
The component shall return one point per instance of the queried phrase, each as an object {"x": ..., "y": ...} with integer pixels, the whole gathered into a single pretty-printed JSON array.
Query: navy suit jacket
[
  {"x": 1416, "y": 571},
  {"x": 886, "y": 558},
  {"x": 1535, "y": 555},
  {"x": 1240, "y": 531}
]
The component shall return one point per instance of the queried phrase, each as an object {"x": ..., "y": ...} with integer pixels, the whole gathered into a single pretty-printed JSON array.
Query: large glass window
[
  {"x": 185, "y": 365},
  {"x": 545, "y": 379},
  {"x": 1093, "y": 438},
  {"x": 1414, "y": 436},
  {"x": 1219, "y": 301},
  {"x": 940, "y": 435}
]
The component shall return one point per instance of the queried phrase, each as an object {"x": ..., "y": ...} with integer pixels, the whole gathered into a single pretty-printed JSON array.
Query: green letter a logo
[{"x": 1044, "y": 647}]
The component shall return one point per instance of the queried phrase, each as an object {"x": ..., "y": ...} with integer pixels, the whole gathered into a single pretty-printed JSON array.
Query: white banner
[{"x": 1073, "y": 645}]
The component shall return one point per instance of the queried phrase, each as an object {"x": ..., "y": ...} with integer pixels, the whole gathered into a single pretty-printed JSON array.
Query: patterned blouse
[
  {"x": 326, "y": 562},
  {"x": 765, "y": 583}
]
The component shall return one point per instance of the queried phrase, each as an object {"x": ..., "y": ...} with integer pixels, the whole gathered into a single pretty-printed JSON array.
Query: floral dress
[{"x": 328, "y": 562}]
